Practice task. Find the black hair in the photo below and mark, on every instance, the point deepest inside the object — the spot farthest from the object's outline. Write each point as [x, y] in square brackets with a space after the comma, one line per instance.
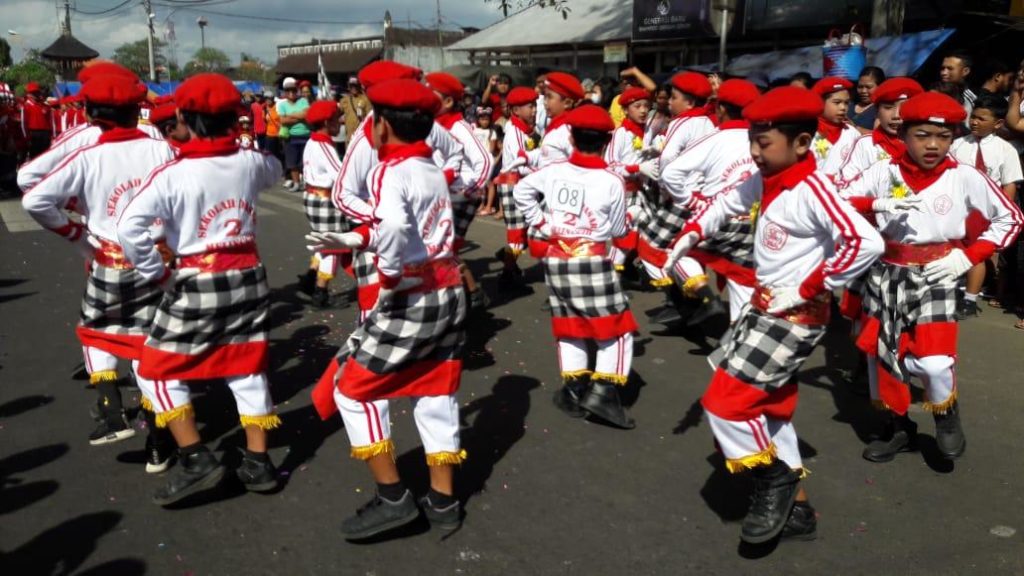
[997, 67]
[408, 125]
[961, 55]
[210, 125]
[876, 73]
[993, 103]
[167, 126]
[590, 141]
[791, 130]
[608, 86]
[951, 89]
[735, 112]
[804, 78]
[694, 101]
[120, 116]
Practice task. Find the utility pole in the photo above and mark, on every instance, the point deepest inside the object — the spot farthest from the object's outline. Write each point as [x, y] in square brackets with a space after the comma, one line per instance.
[148, 5]
[887, 17]
[440, 41]
[65, 28]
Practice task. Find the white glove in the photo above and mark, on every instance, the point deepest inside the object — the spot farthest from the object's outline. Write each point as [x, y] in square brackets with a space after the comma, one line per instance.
[320, 241]
[633, 212]
[517, 163]
[785, 299]
[87, 245]
[386, 295]
[897, 205]
[948, 268]
[650, 169]
[544, 229]
[681, 248]
[176, 276]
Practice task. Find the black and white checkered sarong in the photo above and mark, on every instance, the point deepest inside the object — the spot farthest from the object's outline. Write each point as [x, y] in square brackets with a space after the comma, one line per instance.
[661, 223]
[119, 302]
[364, 268]
[583, 287]
[211, 309]
[463, 211]
[514, 219]
[900, 298]
[323, 216]
[734, 242]
[414, 327]
[765, 351]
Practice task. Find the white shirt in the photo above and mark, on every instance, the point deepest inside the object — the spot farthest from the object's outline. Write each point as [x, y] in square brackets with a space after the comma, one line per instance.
[320, 164]
[412, 214]
[865, 154]
[555, 147]
[946, 203]
[206, 204]
[583, 202]
[476, 160]
[102, 177]
[622, 150]
[804, 231]
[513, 147]
[681, 133]
[1002, 164]
[830, 157]
[710, 166]
[485, 136]
[541, 120]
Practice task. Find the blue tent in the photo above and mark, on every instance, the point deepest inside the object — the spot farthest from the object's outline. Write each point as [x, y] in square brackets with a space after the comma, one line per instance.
[159, 88]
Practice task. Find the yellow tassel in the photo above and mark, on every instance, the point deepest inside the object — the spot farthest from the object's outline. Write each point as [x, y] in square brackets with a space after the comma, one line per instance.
[941, 407]
[266, 422]
[576, 374]
[620, 267]
[617, 379]
[879, 404]
[804, 472]
[324, 276]
[662, 282]
[314, 261]
[753, 461]
[515, 252]
[102, 376]
[693, 283]
[446, 458]
[375, 449]
[146, 405]
[179, 413]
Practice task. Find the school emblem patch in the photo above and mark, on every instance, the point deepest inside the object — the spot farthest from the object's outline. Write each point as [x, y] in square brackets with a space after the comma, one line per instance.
[774, 237]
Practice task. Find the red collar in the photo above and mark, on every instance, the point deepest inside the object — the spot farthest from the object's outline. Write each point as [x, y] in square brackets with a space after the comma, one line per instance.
[207, 147]
[633, 127]
[691, 113]
[918, 178]
[448, 119]
[518, 123]
[734, 125]
[399, 152]
[368, 128]
[121, 135]
[584, 161]
[321, 137]
[830, 130]
[892, 145]
[557, 122]
[786, 180]
[710, 112]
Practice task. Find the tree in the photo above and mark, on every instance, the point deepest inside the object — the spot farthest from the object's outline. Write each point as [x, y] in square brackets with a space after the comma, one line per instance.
[5, 53]
[253, 69]
[207, 60]
[135, 56]
[560, 6]
[28, 71]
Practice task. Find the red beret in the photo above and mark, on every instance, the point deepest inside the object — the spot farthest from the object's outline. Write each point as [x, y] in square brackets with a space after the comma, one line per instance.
[785, 104]
[163, 99]
[738, 92]
[521, 95]
[305, 83]
[567, 85]
[104, 69]
[208, 93]
[692, 83]
[162, 113]
[382, 70]
[932, 107]
[831, 84]
[114, 91]
[445, 84]
[404, 94]
[633, 94]
[321, 111]
[32, 87]
[590, 117]
[895, 89]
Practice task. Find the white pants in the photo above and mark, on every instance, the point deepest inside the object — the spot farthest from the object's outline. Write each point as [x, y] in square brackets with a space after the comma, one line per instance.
[368, 424]
[326, 266]
[937, 373]
[614, 357]
[97, 360]
[653, 272]
[251, 392]
[742, 440]
[739, 296]
[618, 257]
[686, 268]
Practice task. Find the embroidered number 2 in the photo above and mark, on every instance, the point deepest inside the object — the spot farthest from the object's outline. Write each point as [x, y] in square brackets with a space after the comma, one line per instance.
[568, 197]
[234, 227]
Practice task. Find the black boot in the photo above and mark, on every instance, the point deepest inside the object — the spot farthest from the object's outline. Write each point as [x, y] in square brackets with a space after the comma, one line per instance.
[710, 307]
[900, 435]
[511, 280]
[568, 397]
[321, 297]
[674, 310]
[949, 434]
[199, 470]
[307, 282]
[257, 472]
[112, 424]
[802, 523]
[775, 488]
[603, 402]
[380, 515]
[967, 309]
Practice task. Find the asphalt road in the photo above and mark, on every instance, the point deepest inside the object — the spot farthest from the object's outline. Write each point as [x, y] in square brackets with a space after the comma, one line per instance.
[544, 494]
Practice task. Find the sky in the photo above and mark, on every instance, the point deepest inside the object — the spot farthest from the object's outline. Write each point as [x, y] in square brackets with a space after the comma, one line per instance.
[36, 23]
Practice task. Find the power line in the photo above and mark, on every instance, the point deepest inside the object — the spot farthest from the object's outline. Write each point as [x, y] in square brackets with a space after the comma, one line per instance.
[264, 18]
[102, 12]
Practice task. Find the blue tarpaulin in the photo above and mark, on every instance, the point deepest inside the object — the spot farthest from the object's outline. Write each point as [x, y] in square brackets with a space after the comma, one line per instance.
[158, 88]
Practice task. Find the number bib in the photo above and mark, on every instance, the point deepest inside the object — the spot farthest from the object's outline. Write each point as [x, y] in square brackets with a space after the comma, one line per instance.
[567, 197]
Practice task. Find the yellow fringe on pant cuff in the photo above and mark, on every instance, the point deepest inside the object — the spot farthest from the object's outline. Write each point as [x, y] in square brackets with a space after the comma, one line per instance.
[375, 449]
[146, 405]
[573, 374]
[619, 267]
[693, 283]
[662, 282]
[763, 458]
[617, 379]
[804, 472]
[941, 407]
[324, 276]
[314, 261]
[880, 405]
[446, 458]
[102, 376]
[265, 422]
[179, 413]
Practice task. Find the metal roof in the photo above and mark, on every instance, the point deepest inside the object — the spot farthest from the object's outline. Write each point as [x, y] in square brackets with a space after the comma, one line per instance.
[346, 62]
[589, 21]
[67, 47]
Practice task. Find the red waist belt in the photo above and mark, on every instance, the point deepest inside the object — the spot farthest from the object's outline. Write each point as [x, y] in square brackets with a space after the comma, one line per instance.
[507, 178]
[319, 192]
[111, 255]
[814, 313]
[237, 257]
[914, 254]
[566, 249]
[632, 186]
[435, 275]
